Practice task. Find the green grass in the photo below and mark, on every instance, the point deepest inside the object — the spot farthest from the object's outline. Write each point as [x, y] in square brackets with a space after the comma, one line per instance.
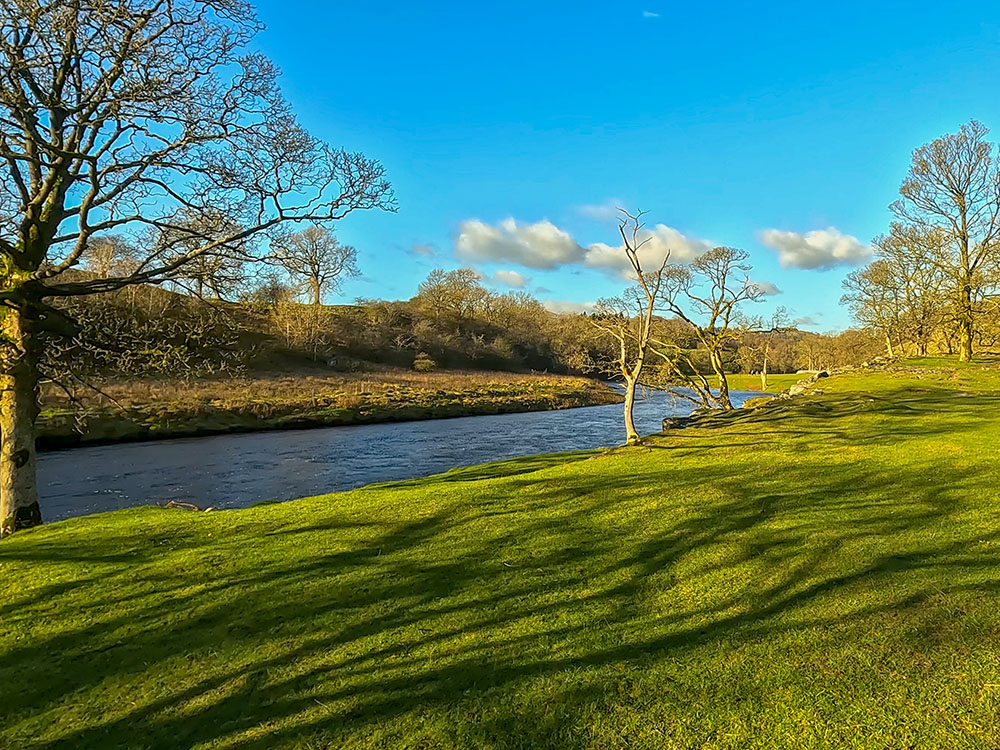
[821, 573]
[775, 383]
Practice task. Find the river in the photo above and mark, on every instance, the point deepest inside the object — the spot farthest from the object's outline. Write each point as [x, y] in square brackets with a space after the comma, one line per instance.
[239, 470]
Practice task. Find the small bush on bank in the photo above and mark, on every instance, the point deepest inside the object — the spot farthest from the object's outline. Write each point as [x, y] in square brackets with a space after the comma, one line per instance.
[423, 362]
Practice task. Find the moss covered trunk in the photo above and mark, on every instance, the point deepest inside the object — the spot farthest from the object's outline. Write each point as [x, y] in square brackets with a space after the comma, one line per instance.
[720, 372]
[18, 409]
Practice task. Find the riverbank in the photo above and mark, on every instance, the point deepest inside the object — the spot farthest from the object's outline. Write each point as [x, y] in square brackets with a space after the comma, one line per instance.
[146, 410]
[822, 572]
[240, 470]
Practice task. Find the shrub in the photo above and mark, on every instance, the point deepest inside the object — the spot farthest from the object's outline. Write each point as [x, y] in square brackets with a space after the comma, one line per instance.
[423, 362]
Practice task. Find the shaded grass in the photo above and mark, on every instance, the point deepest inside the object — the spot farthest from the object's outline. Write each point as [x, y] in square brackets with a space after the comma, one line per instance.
[825, 574]
[145, 409]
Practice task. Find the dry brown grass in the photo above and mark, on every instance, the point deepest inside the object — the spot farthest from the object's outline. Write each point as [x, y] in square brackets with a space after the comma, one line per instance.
[283, 386]
[128, 410]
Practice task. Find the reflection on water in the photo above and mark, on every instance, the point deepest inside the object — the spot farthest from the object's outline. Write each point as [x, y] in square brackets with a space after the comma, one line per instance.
[234, 471]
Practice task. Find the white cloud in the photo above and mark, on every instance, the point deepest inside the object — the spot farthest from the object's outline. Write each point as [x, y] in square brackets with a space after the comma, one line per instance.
[423, 248]
[819, 249]
[807, 321]
[543, 245]
[512, 279]
[567, 306]
[658, 241]
[606, 212]
[539, 245]
[768, 288]
[650, 14]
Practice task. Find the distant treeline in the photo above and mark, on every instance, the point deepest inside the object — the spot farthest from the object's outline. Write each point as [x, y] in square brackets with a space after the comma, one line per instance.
[453, 322]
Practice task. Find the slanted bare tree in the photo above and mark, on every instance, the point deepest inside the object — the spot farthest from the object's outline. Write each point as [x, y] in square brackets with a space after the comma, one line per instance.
[707, 295]
[316, 259]
[129, 117]
[953, 188]
[629, 319]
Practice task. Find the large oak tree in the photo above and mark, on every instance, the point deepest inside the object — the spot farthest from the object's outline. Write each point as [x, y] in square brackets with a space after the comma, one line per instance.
[136, 117]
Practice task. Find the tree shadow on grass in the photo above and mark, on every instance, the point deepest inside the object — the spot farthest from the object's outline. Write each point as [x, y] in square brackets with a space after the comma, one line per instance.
[851, 418]
[436, 621]
[497, 469]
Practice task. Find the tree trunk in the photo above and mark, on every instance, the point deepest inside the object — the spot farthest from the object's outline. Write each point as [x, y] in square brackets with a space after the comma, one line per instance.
[888, 344]
[720, 373]
[631, 436]
[18, 409]
[315, 291]
[965, 321]
[763, 375]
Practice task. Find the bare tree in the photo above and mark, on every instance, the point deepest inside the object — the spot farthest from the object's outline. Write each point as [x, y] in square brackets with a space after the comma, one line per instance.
[875, 300]
[902, 294]
[629, 319]
[268, 290]
[953, 187]
[923, 292]
[316, 259]
[707, 295]
[219, 272]
[755, 343]
[111, 255]
[125, 116]
[449, 295]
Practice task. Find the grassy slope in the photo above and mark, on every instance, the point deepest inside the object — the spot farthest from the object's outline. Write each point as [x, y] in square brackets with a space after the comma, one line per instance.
[155, 409]
[823, 576]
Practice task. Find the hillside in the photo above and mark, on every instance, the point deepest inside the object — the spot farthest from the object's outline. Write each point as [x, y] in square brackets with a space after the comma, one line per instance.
[152, 363]
[814, 574]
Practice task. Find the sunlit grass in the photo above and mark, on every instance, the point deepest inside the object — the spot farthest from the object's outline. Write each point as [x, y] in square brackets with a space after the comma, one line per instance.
[821, 573]
[775, 383]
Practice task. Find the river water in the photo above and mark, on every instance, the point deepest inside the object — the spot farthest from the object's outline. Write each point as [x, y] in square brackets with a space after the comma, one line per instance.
[239, 470]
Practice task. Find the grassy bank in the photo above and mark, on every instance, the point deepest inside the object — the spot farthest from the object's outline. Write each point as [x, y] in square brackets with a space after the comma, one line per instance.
[820, 573]
[142, 410]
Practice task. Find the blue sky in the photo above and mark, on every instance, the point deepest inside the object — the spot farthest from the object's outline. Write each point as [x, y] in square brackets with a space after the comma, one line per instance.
[731, 123]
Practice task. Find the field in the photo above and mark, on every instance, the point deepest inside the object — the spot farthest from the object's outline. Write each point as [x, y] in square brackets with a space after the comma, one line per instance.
[138, 410]
[822, 572]
[775, 383]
